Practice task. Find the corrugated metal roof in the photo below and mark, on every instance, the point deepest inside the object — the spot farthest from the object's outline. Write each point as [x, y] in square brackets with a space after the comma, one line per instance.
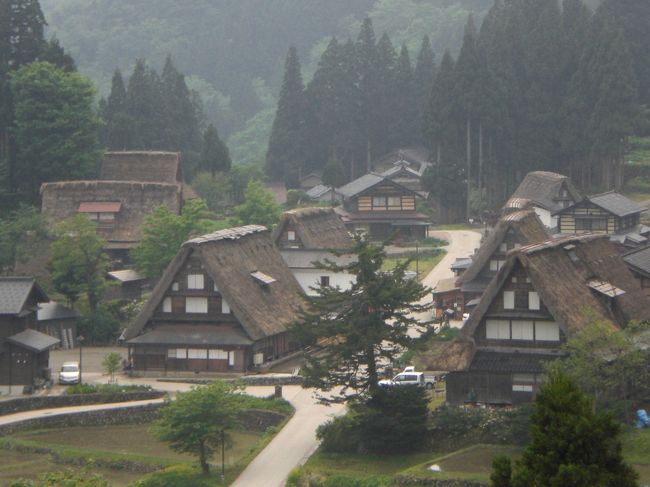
[14, 291]
[55, 311]
[616, 203]
[360, 184]
[227, 234]
[126, 275]
[99, 207]
[33, 340]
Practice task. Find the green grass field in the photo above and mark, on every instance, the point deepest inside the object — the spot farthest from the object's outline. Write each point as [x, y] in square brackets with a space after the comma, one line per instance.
[424, 264]
[118, 444]
[472, 463]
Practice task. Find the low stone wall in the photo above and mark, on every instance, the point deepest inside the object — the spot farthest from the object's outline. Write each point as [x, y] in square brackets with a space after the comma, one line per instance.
[22, 404]
[260, 419]
[408, 480]
[249, 380]
[121, 415]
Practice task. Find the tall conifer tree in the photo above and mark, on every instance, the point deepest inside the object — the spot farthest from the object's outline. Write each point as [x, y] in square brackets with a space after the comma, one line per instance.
[285, 155]
[404, 127]
[423, 77]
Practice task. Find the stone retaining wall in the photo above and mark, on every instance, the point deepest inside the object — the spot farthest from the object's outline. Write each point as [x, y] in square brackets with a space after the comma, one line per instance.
[22, 404]
[408, 480]
[249, 380]
[121, 415]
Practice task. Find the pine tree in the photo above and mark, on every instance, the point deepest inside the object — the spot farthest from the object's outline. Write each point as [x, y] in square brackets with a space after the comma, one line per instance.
[571, 444]
[468, 95]
[424, 75]
[373, 317]
[285, 155]
[118, 124]
[215, 156]
[404, 121]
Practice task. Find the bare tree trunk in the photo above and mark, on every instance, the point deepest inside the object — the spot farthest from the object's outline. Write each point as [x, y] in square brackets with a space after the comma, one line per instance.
[368, 159]
[468, 136]
[480, 156]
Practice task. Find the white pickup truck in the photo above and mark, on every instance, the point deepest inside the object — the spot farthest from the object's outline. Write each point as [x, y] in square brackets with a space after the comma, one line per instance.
[410, 378]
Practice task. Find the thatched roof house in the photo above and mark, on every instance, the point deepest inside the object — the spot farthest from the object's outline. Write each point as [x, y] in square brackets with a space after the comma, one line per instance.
[546, 192]
[224, 303]
[306, 236]
[312, 228]
[544, 294]
[118, 207]
[512, 231]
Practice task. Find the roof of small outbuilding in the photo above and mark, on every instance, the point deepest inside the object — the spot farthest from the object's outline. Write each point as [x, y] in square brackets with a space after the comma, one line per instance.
[14, 292]
[55, 311]
[230, 257]
[317, 229]
[33, 340]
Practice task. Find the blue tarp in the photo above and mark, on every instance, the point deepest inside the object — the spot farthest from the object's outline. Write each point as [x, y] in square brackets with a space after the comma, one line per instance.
[642, 419]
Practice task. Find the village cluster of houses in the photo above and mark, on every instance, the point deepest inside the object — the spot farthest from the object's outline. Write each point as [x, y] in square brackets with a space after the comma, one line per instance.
[556, 262]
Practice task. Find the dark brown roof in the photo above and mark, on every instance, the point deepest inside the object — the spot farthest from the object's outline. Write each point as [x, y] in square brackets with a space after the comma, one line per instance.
[317, 229]
[451, 356]
[516, 362]
[230, 257]
[14, 292]
[528, 228]
[560, 271]
[149, 166]
[543, 188]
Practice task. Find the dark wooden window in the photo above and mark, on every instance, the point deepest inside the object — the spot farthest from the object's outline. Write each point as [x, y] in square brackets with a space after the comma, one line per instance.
[324, 280]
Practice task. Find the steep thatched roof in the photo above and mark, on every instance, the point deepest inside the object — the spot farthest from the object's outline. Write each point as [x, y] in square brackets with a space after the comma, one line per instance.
[316, 228]
[451, 356]
[562, 271]
[525, 224]
[231, 257]
[542, 188]
[150, 166]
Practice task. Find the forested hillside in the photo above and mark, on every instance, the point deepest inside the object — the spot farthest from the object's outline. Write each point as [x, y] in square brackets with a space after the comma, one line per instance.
[232, 51]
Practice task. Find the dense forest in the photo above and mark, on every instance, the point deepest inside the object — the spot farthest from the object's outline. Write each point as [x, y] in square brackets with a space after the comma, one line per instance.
[232, 51]
[537, 86]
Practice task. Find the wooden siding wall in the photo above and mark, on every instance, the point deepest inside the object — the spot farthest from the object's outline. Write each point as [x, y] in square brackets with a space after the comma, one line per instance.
[496, 310]
[19, 366]
[156, 358]
[487, 388]
[567, 219]
[364, 202]
[178, 314]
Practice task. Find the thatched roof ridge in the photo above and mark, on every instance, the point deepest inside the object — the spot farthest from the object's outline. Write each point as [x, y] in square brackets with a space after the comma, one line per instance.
[560, 271]
[230, 257]
[151, 166]
[93, 183]
[525, 223]
[542, 188]
[317, 228]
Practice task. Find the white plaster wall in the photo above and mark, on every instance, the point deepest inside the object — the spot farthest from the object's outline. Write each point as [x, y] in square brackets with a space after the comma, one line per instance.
[311, 277]
[546, 218]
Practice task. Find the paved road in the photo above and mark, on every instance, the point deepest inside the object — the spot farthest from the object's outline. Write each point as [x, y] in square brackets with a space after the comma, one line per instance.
[293, 445]
[462, 243]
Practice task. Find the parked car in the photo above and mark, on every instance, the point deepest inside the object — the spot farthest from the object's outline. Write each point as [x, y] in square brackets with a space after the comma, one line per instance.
[410, 379]
[70, 373]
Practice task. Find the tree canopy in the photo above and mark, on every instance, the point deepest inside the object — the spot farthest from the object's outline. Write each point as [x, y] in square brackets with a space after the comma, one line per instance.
[363, 326]
[198, 422]
[571, 445]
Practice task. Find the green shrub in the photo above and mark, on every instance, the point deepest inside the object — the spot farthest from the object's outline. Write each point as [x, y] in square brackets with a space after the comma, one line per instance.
[453, 427]
[394, 420]
[339, 435]
[176, 476]
[638, 184]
